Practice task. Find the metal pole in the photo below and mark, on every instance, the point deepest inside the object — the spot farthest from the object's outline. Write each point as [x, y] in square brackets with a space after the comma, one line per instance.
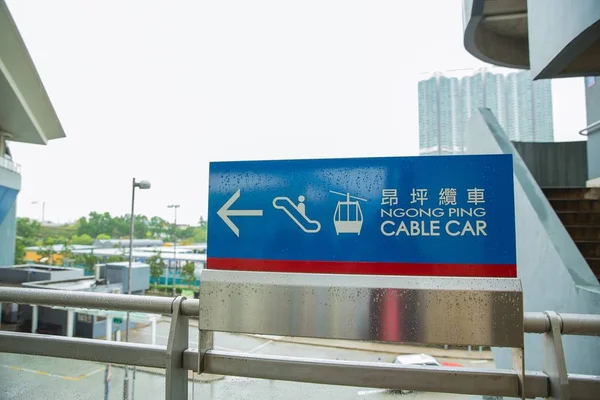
[175, 252]
[131, 220]
[175, 206]
[34, 318]
[70, 323]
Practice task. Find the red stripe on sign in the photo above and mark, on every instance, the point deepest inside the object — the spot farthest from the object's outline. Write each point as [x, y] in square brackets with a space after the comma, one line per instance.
[365, 268]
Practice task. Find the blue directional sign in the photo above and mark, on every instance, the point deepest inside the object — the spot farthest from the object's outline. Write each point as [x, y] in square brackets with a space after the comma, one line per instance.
[442, 216]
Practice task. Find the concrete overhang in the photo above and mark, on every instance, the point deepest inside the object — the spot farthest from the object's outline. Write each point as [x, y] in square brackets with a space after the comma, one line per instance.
[26, 112]
[496, 31]
[552, 38]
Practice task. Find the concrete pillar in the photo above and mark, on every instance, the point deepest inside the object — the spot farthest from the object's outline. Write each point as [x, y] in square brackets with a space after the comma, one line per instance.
[109, 328]
[34, 318]
[118, 335]
[14, 313]
[153, 330]
[70, 323]
[3, 136]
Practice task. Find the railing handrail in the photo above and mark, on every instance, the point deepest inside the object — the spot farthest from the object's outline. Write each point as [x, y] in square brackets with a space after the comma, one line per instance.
[333, 372]
[590, 128]
[95, 300]
[534, 322]
[177, 358]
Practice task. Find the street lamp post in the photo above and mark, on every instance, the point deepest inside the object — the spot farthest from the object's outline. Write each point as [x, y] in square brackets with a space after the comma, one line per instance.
[141, 185]
[174, 206]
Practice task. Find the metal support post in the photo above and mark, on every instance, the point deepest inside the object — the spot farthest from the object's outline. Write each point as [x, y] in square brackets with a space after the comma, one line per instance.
[70, 323]
[153, 331]
[554, 359]
[518, 364]
[205, 344]
[177, 375]
[133, 384]
[34, 318]
[109, 328]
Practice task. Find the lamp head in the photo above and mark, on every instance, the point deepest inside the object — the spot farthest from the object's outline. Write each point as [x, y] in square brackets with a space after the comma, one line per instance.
[143, 184]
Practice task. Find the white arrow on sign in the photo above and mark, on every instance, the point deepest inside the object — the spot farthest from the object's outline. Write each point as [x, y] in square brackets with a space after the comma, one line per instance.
[225, 213]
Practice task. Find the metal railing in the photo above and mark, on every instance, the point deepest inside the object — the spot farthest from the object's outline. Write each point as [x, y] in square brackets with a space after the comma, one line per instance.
[590, 128]
[177, 358]
[9, 165]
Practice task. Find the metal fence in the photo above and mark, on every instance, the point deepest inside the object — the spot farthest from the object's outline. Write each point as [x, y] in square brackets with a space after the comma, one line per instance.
[178, 358]
[9, 165]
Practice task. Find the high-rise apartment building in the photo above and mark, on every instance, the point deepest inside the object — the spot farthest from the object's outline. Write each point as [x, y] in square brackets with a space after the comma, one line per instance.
[523, 108]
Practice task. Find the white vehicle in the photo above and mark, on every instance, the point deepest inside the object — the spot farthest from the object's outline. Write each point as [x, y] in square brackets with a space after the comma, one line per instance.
[417, 359]
[414, 359]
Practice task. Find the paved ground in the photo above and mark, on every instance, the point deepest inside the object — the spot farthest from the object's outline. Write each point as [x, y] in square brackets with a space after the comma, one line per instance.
[31, 377]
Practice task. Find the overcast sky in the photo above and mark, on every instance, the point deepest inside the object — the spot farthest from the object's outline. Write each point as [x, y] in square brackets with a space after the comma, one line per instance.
[157, 89]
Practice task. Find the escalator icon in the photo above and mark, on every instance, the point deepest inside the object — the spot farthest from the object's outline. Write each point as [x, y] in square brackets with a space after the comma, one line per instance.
[297, 213]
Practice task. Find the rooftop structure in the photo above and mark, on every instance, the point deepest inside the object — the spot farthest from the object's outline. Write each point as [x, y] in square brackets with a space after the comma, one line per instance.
[111, 243]
[18, 274]
[80, 284]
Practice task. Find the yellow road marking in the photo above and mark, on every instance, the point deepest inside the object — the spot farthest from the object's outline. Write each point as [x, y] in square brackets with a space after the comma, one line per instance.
[44, 373]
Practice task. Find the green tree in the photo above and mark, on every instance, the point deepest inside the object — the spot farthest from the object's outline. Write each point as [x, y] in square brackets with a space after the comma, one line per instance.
[200, 234]
[157, 227]
[84, 239]
[66, 251]
[103, 236]
[188, 273]
[87, 260]
[28, 230]
[186, 233]
[140, 224]
[157, 267]
[19, 251]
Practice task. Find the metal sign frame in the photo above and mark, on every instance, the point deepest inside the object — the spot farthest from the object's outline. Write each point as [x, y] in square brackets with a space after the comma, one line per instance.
[398, 309]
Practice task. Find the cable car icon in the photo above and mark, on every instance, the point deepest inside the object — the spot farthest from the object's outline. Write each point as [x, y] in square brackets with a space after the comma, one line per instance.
[348, 217]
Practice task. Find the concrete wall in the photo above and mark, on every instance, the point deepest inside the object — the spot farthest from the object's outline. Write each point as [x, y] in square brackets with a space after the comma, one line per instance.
[592, 107]
[557, 164]
[554, 275]
[9, 180]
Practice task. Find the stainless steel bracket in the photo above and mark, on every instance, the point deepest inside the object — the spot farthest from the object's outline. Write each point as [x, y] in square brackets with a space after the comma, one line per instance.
[554, 359]
[205, 343]
[518, 364]
[177, 376]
